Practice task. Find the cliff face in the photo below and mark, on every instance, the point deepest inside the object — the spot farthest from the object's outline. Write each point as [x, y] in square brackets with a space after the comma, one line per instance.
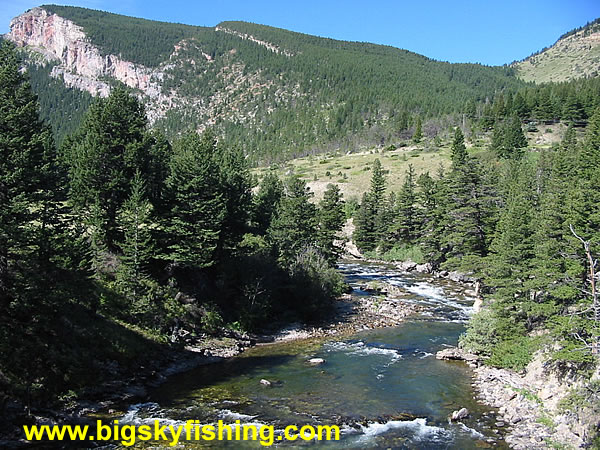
[80, 64]
[175, 87]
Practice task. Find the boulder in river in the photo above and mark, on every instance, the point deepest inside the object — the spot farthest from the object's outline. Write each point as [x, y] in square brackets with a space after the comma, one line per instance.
[460, 414]
[265, 382]
[454, 353]
[316, 361]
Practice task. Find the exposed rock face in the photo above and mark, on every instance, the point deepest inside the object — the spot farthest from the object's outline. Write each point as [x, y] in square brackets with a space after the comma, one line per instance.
[81, 64]
[269, 46]
[529, 405]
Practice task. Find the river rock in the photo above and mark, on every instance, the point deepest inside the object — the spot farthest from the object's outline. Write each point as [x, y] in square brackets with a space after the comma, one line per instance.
[454, 353]
[265, 382]
[407, 266]
[424, 268]
[460, 277]
[460, 414]
[316, 361]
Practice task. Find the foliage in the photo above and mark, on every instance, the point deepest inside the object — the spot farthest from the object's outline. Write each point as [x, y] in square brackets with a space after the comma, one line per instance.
[513, 354]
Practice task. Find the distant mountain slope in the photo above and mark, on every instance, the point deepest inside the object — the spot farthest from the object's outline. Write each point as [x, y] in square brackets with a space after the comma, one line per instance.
[576, 54]
[273, 91]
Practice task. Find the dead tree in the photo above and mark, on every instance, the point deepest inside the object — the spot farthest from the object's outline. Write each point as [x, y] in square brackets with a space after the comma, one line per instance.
[593, 279]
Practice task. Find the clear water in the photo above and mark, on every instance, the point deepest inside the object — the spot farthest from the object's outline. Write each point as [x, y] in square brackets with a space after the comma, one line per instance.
[367, 383]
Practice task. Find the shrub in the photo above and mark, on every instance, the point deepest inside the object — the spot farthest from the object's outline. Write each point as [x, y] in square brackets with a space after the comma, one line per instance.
[404, 253]
[515, 353]
[480, 337]
[314, 283]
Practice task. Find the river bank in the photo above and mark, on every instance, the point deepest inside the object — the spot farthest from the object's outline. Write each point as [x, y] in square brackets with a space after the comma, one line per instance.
[531, 404]
[350, 314]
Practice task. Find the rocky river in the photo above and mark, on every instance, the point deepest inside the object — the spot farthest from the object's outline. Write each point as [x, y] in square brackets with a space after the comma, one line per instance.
[382, 386]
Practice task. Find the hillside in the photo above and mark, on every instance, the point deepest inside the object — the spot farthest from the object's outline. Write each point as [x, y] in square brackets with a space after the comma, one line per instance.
[575, 54]
[278, 92]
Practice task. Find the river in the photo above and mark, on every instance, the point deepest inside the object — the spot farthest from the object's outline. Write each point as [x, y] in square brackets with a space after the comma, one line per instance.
[383, 386]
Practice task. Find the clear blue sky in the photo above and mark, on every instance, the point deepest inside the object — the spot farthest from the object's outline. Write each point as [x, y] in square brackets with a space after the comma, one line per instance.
[489, 32]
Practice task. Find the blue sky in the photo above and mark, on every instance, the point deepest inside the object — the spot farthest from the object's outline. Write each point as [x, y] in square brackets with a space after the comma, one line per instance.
[489, 32]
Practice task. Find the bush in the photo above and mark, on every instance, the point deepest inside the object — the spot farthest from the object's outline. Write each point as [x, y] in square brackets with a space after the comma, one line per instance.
[211, 321]
[515, 353]
[315, 284]
[480, 337]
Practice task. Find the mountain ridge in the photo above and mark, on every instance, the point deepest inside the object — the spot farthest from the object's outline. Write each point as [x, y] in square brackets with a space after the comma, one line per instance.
[575, 54]
[272, 91]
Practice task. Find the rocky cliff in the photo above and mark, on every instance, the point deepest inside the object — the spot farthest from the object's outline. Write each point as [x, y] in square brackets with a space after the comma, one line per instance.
[80, 64]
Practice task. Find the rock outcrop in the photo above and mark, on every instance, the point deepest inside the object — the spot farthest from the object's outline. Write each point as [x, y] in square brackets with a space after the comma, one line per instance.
[80, 64]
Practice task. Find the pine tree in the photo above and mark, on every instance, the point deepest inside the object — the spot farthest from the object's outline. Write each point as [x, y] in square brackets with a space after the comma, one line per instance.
[135, 221]
[364, 235]
[195, 221]
[520, 106]
[331, 221]
[294, 226]
[42, 265]
[370, 220]
[266, 200]
[511, 251]
[463, 223]
[236, 182]
[418, 134]
[514, 139]
[458, 152]
[405, 224]
[104, 154]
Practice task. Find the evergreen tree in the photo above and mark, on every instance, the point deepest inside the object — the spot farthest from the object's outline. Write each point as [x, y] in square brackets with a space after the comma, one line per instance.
[511, 251]
[331, 222]
[195, 221]
[458, 152]
[405, 225]
[418, 134]
[514, 139]
[42, 269]
[104, 154]
[236, 182]
[497, 141]
[265, 202]
[364, 235]
[464, 214]
[370, 220]
[135, 220]
[520, 106]
[294, 226]
[430, 199]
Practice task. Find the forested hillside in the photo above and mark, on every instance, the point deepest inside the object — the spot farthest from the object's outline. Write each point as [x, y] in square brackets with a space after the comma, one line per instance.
[277, 92]
[120, 242]
[131, 222]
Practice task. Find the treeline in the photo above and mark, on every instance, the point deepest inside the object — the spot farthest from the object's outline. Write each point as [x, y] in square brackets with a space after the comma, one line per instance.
[505, 216]
[573, 101]
[121, 230]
